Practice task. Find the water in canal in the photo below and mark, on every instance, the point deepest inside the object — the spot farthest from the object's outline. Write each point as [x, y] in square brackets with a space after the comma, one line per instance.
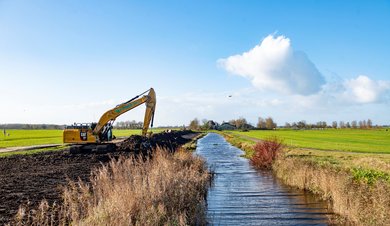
[240, 195]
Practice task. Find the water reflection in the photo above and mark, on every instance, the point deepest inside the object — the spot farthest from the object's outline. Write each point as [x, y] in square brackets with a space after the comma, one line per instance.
[241, 195]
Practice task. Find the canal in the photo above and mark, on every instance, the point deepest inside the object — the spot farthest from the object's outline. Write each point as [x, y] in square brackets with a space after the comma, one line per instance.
[241, 195]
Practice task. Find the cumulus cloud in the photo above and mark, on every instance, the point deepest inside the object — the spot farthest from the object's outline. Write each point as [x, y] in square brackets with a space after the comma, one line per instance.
[365, 90]
[274, 65]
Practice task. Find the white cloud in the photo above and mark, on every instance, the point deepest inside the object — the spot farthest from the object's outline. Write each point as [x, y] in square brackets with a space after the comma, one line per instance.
[364, 90]
[274, 65]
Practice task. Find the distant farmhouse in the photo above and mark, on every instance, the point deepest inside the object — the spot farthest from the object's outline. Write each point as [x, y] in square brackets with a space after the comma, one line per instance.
[226, 126]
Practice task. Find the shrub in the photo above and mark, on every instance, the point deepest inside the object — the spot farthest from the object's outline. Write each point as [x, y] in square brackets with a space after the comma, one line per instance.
[265, 152]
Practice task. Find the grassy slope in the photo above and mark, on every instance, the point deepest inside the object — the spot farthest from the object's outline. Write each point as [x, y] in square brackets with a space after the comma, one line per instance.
[320, 145]
[358, 182]
[365, 141]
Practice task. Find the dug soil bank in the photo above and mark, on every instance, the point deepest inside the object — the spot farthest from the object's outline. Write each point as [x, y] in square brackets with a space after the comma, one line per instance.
[31, 178]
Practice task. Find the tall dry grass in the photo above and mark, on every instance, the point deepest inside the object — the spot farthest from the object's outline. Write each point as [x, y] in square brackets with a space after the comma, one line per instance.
[167, 189]
[361, 203]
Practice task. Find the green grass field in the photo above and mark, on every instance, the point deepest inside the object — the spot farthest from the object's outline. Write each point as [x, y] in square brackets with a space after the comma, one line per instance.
[30, 137]
[129, 132]
[364, 151]
[19, 138]
[353, 140]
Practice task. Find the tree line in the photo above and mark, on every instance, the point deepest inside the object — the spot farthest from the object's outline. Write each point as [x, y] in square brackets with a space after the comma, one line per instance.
[31, 126]
[240, 124]
[269, 124]
[129, 125]
[363, 124]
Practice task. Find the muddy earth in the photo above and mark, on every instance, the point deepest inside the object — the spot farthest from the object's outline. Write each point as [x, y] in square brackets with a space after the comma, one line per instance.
[32, 178]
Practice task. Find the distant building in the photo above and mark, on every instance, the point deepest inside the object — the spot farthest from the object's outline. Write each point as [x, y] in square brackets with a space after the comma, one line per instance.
[248, 127]
[212, 125]
[226, 126]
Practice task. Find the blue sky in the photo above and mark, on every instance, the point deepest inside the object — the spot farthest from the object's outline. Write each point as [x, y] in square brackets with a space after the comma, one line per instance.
[70, 61]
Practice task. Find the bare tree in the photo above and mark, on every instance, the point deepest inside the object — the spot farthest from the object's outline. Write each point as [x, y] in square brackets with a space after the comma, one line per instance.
[269, 123]
[301, 124]
[369, 123]
[233, 122]
[342, 124]
[334, 124]
[241, 123]
[194, 124]
[354, 124]
[205, 124]
[294, 125]
[321, 124]
[361, 125]
[261, 123]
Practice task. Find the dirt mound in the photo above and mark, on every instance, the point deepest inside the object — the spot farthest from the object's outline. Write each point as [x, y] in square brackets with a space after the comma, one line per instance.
[40, 176]
[169, 140]
[35, 177]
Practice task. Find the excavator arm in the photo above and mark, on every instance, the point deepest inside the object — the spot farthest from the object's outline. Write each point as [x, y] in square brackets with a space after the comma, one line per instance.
[96, 133]
[107, 119]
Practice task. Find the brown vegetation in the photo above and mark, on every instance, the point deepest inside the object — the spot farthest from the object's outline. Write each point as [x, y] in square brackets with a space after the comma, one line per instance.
[265, 152]
[267, 123]
[28, 179]
[357, 186]
[361, 202]
[167, 189]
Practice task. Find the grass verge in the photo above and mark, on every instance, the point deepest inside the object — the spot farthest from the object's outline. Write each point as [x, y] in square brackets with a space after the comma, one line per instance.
[167, 189]
[244, 144]
[356, 184]
[191, 146]
[360, 197]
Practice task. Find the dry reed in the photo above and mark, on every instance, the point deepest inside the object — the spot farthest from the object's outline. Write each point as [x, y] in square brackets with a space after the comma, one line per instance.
[358, 202]
[167, 189]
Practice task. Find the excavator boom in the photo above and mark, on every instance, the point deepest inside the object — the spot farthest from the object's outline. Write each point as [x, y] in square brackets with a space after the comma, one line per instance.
[102, 131]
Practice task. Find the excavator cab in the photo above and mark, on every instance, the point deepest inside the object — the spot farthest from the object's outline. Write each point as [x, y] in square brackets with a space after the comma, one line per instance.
[79, 133]
[106, 134]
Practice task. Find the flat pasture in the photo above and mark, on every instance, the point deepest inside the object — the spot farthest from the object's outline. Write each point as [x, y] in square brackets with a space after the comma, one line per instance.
[129, 132]
[19, 138]
[349, 140]
[22, 138]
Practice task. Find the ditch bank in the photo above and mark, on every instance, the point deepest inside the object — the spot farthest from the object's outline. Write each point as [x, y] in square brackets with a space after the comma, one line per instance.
[356, 201]
[358, 195]
[28, 179]
[242, 195]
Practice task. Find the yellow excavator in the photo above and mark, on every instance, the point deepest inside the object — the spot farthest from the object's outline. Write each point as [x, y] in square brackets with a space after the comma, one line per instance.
[98, 136]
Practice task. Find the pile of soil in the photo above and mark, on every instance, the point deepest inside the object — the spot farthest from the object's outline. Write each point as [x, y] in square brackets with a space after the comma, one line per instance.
[40, 176]
[144, 145]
